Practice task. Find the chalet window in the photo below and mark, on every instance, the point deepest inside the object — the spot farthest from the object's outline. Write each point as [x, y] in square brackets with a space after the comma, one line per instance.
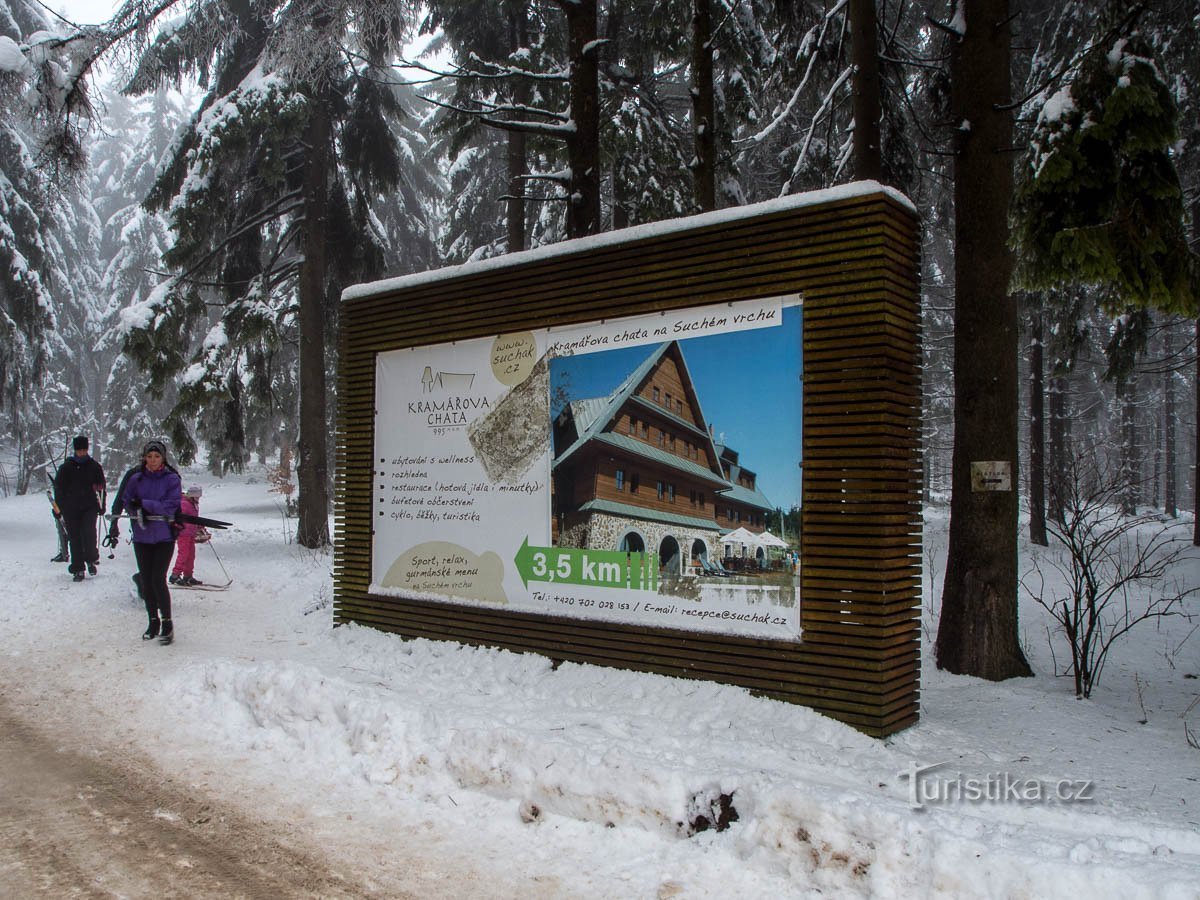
[692, 497]
[660, 490]
[671, 492]
[679, 407]
[702, 500]
[620, 479]
[671, 442]
[669, 404]
[662, 437]
[645, 429]
[656, 395]
[633, 483]
[632, 425]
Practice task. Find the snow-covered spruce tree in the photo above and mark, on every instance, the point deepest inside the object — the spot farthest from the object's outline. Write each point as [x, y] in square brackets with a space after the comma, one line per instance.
[647, 106]
[47, 252]
[1173, 30]
[786, 92]
[405, 215]
[502, 59]
[132, 142]
[269, 195]
[1100, 202]
[545, 95]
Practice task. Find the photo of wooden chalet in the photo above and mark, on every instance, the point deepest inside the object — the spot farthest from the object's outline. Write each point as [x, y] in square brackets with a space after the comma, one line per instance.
[638, 470]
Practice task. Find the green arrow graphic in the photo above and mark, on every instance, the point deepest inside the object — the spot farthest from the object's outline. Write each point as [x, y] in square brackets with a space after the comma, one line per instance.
[601, 568]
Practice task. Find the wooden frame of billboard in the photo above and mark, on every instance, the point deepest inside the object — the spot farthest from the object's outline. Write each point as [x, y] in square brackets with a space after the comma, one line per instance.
[852, 253]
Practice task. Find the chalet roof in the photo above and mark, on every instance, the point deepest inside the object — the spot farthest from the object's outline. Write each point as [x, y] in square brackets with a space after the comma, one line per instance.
[651, 407]
[662, 457]
[749, 496]
[586, 412]
[628, 510]
[599, 411]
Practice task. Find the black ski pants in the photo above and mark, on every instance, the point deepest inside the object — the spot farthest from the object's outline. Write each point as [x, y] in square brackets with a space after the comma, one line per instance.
[153, 562]
[81, 536]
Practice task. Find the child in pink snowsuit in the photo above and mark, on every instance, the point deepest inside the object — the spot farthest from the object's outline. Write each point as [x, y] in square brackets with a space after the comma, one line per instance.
[185, 553]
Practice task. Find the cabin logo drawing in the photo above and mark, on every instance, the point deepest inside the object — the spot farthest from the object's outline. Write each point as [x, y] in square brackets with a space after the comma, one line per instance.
[449, 381]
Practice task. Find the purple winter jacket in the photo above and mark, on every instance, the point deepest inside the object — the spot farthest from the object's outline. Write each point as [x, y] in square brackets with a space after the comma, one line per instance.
[159, 494]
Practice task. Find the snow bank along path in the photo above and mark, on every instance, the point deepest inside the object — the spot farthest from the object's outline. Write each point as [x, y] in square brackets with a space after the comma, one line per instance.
[581, 780]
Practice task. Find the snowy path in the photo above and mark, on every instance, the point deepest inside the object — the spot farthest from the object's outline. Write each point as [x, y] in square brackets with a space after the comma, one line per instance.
[97, 824]
[387, 767]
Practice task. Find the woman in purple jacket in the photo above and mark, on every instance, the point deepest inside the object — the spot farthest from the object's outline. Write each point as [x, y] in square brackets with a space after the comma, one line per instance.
[154, 490]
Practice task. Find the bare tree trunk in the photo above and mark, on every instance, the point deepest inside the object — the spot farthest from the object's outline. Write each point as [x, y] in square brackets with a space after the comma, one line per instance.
[1196, 479]
[613, 53]
[868, 160]
[514, 207]
[1060, 429]
[1156, 487]
[1170, 455]
[704, 167]
[518, 165]
[583, 147]
[620, 207]
[312, 469]
[977, 634]
[1037, 432]
[1130, 471]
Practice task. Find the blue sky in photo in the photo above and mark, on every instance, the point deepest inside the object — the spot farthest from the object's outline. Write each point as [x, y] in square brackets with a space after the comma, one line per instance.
[748, 383]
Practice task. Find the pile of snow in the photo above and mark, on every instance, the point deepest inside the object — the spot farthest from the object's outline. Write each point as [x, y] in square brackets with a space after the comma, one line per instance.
[592, 781]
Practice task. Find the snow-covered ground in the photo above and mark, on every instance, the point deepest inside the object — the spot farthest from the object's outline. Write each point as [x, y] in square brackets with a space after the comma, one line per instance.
[581, 781]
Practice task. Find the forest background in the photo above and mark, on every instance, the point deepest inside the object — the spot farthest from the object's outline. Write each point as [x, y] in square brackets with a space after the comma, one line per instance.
[186, 188]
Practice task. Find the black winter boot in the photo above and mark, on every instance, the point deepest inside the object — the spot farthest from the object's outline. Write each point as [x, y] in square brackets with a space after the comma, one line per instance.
[168, 632]
[151, 631]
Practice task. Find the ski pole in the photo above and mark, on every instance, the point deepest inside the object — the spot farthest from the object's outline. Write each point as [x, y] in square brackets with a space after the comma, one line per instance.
[219, 563]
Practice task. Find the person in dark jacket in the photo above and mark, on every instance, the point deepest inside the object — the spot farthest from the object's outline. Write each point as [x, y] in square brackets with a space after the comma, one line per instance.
[152, 497]
[77, 490]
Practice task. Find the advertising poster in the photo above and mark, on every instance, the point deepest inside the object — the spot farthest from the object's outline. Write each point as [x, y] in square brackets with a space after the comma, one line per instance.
[628, 470]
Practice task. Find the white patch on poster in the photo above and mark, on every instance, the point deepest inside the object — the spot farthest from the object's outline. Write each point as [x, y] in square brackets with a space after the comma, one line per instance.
[462, 490]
